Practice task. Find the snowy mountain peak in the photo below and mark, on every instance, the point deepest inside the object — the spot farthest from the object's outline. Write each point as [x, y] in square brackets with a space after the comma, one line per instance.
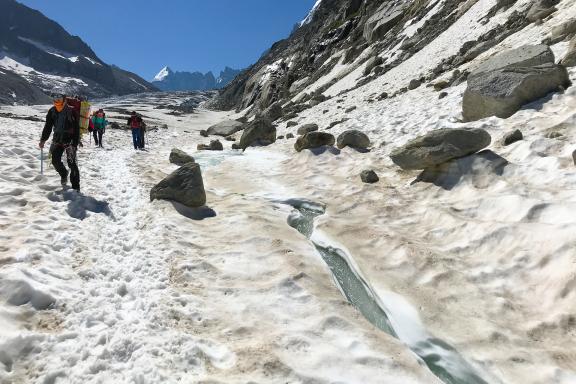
[165, 72]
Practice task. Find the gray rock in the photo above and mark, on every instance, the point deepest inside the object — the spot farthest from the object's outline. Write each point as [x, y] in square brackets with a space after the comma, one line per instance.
[225, 128]
[273, 112]
[185, 185]
[180, 157]
[440, 85]
[290, 136]
[563, 30]
[503, 84]
[442, 95]
[353, 138]
[352, 108]
[369, 176]
[383, 95]
[371, 64]
[306, 128]
[236, 146]
[114, 125]
[553, 135]
[291, 124]
[385, 17]
[512, 137]
[570, 59]
[203, 133]
[439, 146]
[260, 131]
[414, 84]
[314, 140]
[541, 9]
[574, 156]
[215, 145]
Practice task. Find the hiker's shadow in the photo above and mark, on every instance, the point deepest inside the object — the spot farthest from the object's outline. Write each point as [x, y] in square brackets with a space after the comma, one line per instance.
[79, 205]
[197, 214]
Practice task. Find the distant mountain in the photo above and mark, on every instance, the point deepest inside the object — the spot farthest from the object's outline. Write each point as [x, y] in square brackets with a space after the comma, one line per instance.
[38, 57]
[168, 80]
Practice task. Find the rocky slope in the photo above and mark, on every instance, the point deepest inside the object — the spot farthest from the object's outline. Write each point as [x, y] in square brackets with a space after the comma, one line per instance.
[38, 56]
[346, 44]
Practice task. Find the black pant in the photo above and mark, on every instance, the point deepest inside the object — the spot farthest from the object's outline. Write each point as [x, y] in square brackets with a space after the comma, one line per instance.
[98, 136]
[57, 151]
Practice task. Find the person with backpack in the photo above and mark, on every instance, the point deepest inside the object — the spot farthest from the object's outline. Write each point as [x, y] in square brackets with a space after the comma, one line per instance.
[65, 123]
[136, 124]
[99, 122]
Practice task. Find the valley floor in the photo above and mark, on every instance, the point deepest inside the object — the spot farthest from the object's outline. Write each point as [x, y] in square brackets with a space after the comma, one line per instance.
[107, 286]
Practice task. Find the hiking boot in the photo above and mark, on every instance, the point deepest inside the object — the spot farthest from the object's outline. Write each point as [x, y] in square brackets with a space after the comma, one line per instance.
[64, 179]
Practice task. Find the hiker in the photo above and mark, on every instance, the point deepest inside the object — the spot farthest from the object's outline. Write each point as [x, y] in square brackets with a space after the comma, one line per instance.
[99, 122]
[65, 122]
[136, 124]
[142, 135]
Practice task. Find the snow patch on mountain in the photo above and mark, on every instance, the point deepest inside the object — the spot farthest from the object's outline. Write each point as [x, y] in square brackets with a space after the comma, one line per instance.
[164, 73]
[308, 18]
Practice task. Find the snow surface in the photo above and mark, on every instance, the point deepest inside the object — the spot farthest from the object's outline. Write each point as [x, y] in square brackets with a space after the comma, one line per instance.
[109, 287]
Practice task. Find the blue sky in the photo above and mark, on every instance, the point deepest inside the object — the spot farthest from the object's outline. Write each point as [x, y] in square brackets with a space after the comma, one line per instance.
[143, 36]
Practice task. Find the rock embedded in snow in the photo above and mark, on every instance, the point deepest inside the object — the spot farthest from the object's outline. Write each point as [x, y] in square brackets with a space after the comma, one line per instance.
[562, 31]
[273, 112]
[291, 124]
[569, 59]
[260, 131]
[440, 85]
[290, 136]
[574, 156]
[512, 137]
[185, 185]
[368, 176]
[440, 146]
[179, 157]
[353, 138]
[503, 84]
[442, 95]
[541, 9]
[225, 128]
[350, 109]
[314, 140]
[215, 145]
[414, 84]
[203, 133]
[306, 128]
[371, 64]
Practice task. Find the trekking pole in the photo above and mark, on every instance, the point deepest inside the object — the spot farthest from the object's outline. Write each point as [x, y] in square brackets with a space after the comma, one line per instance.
[42, 161]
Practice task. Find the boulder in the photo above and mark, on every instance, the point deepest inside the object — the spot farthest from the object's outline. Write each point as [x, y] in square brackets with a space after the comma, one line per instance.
[291, 124]
[512, 137]
[440, 146]
[260, 131]
[273, 112]
[314, 140]
[442, 95]
[414, 84]
[180, 157]
[215, 145]
[353, 138]
[368, 176]
[225, 128]
[203, 133]
[306, 128]
[350, 109]
[371, 64]
[184, 185]
[290, 136]
[236, 146]
[541, 9]
[563, 30]
[574, 156]
[440, 85]
[503, 84]
[570, 59]
[384, 19]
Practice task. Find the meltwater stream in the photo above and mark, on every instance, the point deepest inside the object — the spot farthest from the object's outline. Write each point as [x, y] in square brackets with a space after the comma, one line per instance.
[391, 314]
